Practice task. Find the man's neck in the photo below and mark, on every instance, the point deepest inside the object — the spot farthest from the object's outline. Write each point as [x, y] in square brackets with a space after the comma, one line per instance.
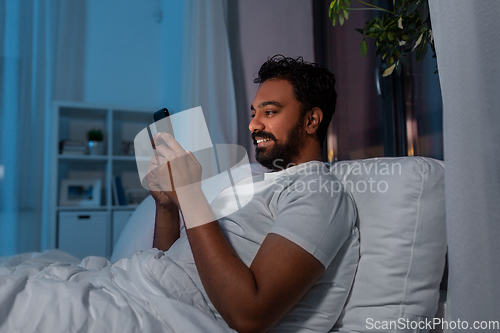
[310, 152]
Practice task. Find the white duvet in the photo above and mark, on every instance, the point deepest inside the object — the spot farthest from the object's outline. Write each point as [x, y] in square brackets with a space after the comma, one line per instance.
[55, 292]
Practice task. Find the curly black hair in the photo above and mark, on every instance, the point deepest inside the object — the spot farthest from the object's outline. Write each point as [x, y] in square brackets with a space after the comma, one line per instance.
[313, 85]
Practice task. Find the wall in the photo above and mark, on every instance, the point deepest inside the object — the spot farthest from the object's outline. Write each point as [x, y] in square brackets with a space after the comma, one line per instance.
[123, 53]
[133, 51]
[259, 29]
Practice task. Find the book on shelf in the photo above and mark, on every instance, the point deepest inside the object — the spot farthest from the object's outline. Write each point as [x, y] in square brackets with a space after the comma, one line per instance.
[115, 199]
[118, 192]
[72, 147]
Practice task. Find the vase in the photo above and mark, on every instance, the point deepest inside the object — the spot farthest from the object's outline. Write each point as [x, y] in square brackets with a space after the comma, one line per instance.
[96, 147]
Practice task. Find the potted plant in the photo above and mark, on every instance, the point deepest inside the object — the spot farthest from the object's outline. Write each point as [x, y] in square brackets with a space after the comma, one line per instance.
[405, 27]
[96, 145]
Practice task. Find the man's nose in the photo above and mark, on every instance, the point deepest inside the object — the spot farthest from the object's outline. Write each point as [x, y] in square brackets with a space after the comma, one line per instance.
[255, 125]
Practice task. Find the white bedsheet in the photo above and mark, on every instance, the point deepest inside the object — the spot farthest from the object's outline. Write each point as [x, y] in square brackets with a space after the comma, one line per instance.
[54, 292]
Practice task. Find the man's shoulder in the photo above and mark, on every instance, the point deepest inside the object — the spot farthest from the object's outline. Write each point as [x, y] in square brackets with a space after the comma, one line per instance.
[317, 188]
[311, 175]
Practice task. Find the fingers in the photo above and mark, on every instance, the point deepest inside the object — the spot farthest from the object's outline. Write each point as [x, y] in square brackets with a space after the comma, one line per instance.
[164, 154]
[172, 166]
[153, 174]
[159, 178]
[170, 142]
[167, 148]
[152, 182]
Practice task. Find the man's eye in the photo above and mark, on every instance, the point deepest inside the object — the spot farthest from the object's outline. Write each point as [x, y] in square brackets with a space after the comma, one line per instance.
[268, 113]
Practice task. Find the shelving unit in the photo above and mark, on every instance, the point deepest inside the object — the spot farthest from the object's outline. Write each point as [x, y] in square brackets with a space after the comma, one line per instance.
[92, 230]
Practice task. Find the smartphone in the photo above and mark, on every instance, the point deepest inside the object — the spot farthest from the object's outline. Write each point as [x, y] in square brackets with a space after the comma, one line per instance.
[160, 114]
[162, 124]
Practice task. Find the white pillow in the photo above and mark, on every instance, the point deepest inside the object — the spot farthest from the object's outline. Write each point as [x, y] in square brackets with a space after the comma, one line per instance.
[401, 210]
[138, 232]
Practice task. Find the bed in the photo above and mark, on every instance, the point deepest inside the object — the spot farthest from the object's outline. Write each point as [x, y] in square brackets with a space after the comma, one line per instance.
[400, 204]
[132, 295]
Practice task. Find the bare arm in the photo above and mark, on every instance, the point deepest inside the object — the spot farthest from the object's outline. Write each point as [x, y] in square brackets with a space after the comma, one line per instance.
[166, 226]
[167, 229]
[255, 298]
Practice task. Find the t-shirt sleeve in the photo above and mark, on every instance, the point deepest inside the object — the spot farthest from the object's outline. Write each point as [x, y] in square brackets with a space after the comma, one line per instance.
[317, 215]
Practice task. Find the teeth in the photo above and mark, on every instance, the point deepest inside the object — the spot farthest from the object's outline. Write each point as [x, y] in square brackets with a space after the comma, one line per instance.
[262, 140]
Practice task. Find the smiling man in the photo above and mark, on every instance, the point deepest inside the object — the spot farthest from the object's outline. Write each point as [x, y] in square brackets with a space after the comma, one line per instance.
[277, 114]
[291, 90]
[286, 260]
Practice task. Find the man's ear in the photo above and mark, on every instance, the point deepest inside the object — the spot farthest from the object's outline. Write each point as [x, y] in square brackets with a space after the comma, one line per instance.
[313, 119]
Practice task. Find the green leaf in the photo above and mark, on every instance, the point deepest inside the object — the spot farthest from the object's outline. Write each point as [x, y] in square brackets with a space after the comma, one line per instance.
[360, 31]
[417, 43]
[334, 20]
[364, 47]
[370, 24]
[424, 10]
[330, 11]
[413, 7]
[389, 70]
[341, 19]
[390, 60]
[346, 14]
[421, 51]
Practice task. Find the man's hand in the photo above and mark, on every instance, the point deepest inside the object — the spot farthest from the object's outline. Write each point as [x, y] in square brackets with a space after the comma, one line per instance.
[177, 174]
[161, 198]
[167, 229]
[172, 168]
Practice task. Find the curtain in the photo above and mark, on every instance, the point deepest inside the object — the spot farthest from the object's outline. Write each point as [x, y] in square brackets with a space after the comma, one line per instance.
[468, 45]
[27, 39]
[207, 77]
[42, 46]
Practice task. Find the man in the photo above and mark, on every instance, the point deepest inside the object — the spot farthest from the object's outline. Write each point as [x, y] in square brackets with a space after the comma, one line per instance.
[274, 259]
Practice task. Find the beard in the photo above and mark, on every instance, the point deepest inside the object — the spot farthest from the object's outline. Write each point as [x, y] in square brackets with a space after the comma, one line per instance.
[280, 155]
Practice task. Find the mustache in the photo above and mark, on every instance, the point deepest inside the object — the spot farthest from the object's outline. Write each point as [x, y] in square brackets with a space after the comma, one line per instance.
[262, 135]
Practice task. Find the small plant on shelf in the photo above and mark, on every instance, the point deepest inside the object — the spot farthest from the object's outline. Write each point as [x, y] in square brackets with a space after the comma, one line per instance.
[95, 135]
[96, 147]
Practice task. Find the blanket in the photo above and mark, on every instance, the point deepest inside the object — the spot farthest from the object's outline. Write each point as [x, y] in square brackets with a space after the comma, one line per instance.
[55, 292]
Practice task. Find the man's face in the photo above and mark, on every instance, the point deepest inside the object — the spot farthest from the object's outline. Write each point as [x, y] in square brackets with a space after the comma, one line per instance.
[277, 126]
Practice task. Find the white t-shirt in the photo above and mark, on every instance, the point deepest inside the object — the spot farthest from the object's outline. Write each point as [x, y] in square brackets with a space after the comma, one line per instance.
[307, 205]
